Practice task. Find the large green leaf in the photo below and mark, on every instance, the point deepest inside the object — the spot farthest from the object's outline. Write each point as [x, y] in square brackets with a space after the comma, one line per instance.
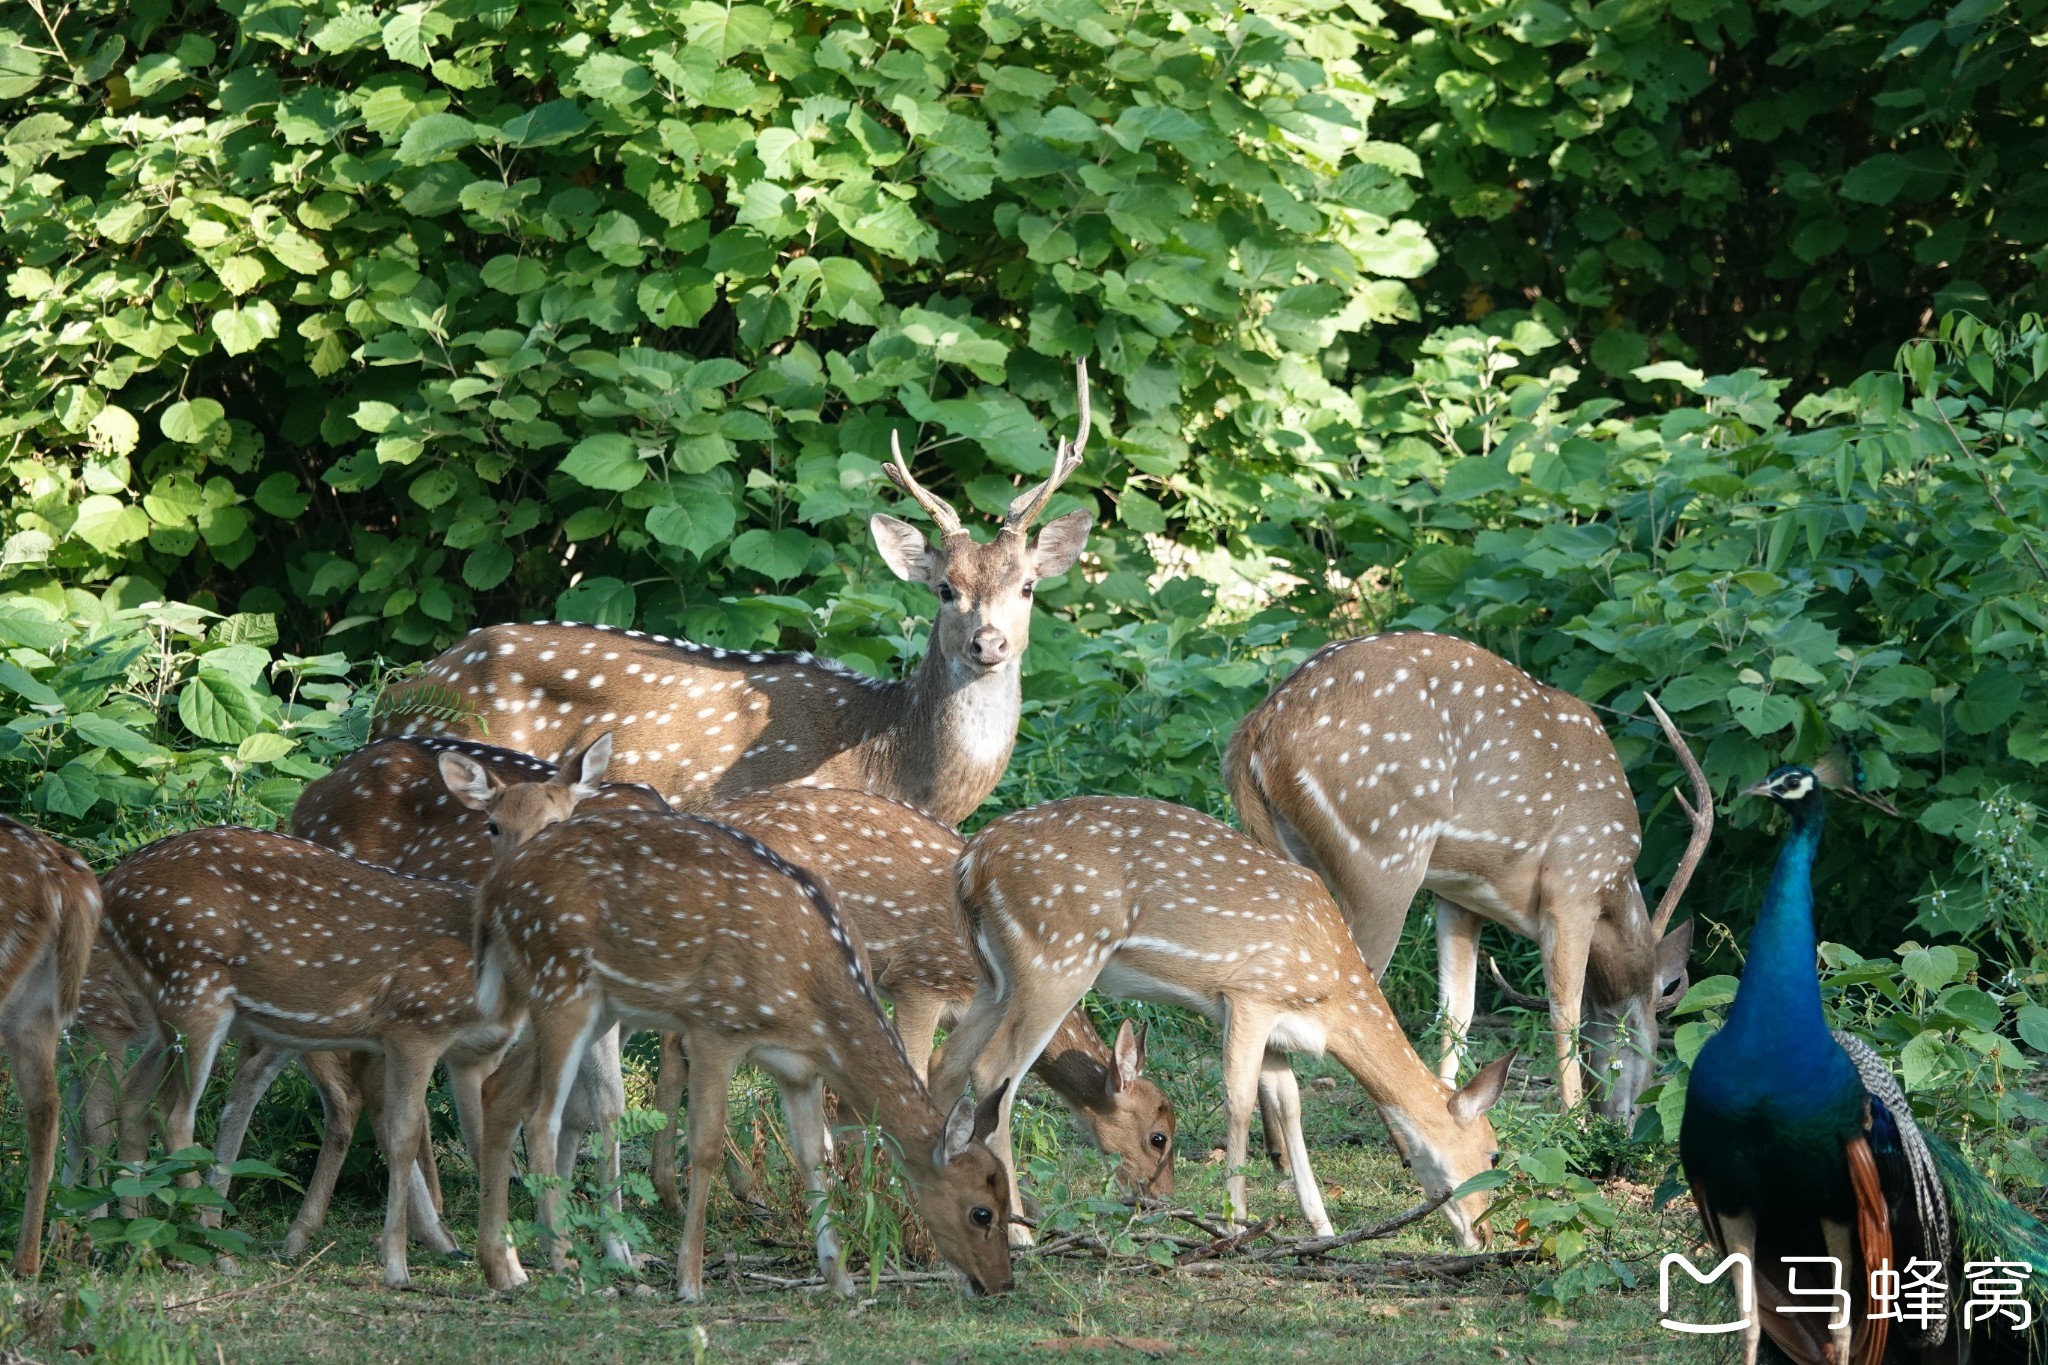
[215, 706]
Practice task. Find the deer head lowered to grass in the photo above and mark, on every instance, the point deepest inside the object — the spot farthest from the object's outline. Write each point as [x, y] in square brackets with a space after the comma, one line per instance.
[890, 868]
[1397, 763]
[660, 920]
[1152, 901]
[703, 725]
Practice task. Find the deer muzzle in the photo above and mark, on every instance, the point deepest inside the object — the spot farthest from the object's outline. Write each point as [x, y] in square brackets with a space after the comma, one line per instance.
[990, 647]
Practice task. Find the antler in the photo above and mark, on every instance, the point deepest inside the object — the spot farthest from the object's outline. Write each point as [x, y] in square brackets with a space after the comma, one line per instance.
[1024, 509]
[937, 508]
[1702, 817]
[1527, 1002]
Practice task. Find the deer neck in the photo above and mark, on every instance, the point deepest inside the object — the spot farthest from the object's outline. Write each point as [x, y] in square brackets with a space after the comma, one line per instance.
[948, 730]
[1076, 1075]
[877, 1085]
[1408, 1094]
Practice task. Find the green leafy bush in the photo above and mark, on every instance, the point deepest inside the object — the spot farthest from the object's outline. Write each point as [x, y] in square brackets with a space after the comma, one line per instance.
[1795, 184]
[132, 721]
[460, 312]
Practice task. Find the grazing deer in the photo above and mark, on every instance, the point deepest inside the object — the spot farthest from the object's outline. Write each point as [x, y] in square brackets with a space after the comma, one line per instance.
[1395, 763]
[703, 725]
[114, 1013]
[668, 921]
[1151, 901]
[240, 932]
[890, 868]
[49, 913]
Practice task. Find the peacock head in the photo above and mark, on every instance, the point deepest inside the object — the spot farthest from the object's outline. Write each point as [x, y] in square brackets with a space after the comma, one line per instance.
[1790, 785]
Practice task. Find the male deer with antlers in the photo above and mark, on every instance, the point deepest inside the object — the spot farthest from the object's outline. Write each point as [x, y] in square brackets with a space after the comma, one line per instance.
[669, 921]
[1152, 901]
[703, 725]
[1396, 763]
[49, 913]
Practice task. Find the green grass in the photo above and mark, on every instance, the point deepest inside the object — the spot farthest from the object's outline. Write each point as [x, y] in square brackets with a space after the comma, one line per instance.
[334, 1308]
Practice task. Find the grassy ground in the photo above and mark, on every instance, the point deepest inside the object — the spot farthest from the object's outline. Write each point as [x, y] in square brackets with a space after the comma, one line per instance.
[1380, 1302]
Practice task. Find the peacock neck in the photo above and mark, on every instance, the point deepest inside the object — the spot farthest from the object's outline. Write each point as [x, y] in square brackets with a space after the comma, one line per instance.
[1780, 991]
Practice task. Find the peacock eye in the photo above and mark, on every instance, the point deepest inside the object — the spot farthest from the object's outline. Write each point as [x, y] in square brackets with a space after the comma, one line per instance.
[982, 1216]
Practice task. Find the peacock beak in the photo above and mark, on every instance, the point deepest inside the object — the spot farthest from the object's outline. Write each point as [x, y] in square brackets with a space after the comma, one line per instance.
[1756, 789]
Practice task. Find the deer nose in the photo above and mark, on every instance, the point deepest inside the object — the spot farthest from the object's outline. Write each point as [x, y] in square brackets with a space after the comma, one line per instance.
[989, 647]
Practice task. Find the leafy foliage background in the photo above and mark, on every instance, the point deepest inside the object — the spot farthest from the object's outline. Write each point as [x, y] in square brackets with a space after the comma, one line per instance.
[1602, 334]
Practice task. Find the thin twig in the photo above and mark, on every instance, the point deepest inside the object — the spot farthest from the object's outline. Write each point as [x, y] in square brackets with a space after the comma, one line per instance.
[1322, 1246]
[1223, 1246]
[278, 1283]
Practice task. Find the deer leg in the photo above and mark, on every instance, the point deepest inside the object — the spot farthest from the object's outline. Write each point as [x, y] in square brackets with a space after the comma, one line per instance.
[364, 1074]
[507, 1095]
[138, 1092]
[32, 1033]
[917, 1023]
[341, 1102]
[710, 1086]
[1280, 1095]
[601, 1094]
[1457, 981]
[1244, 1057]
[670, 1080]
[185, 1080]
[1029, 1019]
[256, 1070]
[560, 1038]
[408, 1066]
[803, 1101]
[1566, 939]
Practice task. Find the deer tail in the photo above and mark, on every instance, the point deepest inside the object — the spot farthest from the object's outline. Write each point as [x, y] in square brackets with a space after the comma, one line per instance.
[1247, 790]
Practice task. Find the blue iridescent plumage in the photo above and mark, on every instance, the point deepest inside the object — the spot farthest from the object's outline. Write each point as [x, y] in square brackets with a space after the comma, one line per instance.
[1798, 1142]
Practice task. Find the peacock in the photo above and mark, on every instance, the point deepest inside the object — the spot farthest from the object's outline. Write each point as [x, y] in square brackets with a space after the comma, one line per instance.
[1798, 1142]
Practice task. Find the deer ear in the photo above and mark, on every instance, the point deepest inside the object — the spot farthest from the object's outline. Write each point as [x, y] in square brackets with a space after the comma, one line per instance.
[1480, 1093]
[1130, 1058]
[968, 1124]
[1059, 543]
[587, 767]
[905, 550]
[473, 784]
[1674, 951]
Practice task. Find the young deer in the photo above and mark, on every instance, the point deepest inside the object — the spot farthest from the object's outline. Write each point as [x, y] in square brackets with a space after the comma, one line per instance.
[1396, 763]
[49, 913]
[248, 933]
[115, 1014]
[668, 921]
[890, 868]
[705, 724]
[1150, 901]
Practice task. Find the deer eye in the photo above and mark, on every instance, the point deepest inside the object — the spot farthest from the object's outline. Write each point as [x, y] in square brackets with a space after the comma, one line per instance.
[491, 828]
[1027, 591]
[982, 1216]
[1159, 1142]
[1494, 1161]
[945, 592]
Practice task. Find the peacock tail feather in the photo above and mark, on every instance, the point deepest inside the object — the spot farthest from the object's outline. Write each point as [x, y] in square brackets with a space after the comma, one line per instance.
[1990, 1227]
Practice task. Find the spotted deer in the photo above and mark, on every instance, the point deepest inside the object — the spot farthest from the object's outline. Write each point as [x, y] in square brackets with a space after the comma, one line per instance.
[49, 913]
[703, 725]
[390, 803]
[890, 868]
[1397, 763]
[245, 933]
[669, 921]
[1150, 901]
[115, 1015]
